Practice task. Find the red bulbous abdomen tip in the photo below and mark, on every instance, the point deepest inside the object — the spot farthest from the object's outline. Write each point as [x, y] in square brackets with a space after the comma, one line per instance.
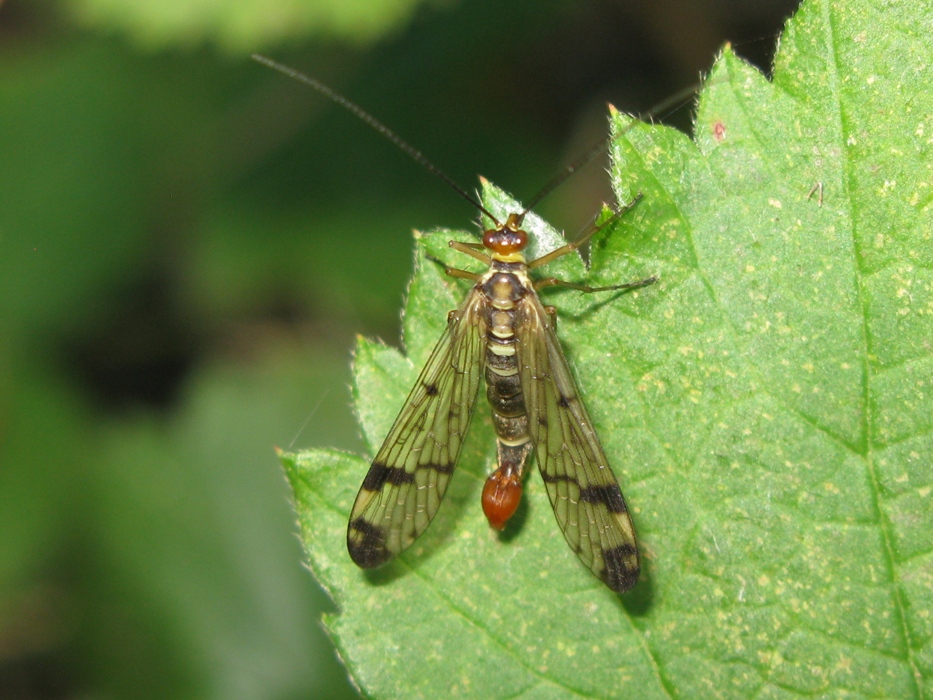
[501, 496]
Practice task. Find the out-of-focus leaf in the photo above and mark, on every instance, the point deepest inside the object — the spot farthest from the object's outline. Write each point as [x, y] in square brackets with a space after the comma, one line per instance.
[241, 26]
[195, 550]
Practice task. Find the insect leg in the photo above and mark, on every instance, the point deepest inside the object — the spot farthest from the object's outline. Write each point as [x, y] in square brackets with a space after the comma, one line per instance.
[570, 247]
[554, 282]
[474, 250]
[455, 271]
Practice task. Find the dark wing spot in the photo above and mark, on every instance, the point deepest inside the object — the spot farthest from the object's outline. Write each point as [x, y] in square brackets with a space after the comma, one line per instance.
[542, 421]
[366, 543]
[379, 475]
[564, 401]
[554, 478]
[621, 567]
[430, 389]
[440, 468]
[609, 495]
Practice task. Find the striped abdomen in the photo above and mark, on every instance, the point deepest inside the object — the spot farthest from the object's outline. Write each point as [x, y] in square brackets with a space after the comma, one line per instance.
[503, 490]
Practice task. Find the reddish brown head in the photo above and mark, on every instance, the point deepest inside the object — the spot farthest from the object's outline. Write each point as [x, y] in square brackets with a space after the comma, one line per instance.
[508, 238]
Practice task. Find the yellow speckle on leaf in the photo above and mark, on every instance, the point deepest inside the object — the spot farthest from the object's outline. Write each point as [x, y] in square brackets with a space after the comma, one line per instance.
[844, 664]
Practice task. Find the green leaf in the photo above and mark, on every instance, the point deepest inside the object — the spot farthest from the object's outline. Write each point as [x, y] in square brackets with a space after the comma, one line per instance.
[767, 408]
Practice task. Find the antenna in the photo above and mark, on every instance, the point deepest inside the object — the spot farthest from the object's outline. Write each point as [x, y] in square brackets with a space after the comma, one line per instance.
[348, 104]
[421, 159]
[671, 102]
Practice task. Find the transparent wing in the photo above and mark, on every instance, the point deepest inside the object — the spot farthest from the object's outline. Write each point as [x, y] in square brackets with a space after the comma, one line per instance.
[583, 490]
[404, 486]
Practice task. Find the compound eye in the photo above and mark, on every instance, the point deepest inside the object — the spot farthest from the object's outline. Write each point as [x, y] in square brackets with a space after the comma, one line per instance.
[504, 240]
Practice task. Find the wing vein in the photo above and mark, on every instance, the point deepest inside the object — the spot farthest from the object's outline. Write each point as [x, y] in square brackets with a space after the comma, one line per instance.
[409, 476]
[584, 493]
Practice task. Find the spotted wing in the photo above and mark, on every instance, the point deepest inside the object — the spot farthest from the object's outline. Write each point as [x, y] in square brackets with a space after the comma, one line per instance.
[404, 486]
[583, 490]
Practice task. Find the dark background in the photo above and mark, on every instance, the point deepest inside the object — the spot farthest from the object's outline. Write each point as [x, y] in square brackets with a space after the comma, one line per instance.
[189, 243]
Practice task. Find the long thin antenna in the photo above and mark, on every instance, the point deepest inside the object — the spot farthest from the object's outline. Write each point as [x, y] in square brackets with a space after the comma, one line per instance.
[347, 104]
[559, 179]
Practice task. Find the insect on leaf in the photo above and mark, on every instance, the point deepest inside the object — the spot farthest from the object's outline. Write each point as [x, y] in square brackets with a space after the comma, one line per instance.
[503, 332]
[767, 409]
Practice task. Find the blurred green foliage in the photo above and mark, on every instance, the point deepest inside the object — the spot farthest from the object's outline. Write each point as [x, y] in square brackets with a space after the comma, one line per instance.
[241, 25]
[188, 244]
